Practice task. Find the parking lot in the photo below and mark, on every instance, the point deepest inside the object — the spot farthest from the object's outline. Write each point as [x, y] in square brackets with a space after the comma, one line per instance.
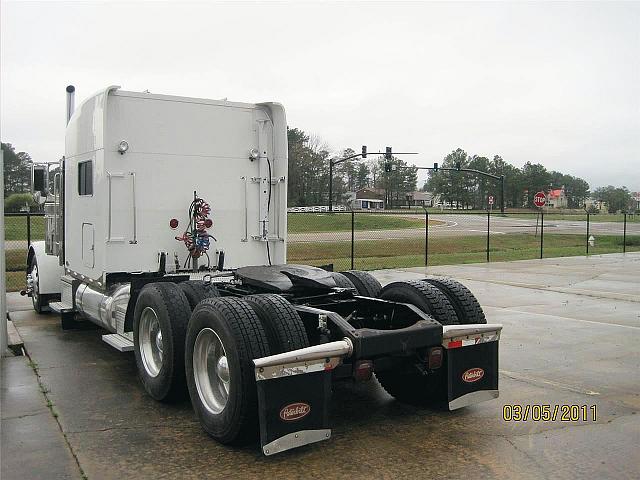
[571, 333]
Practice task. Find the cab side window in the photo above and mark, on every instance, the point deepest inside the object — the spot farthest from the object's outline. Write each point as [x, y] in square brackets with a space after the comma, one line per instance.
[85, 178]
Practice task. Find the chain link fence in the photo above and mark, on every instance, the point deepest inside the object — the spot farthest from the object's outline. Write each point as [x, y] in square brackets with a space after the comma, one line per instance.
[374, 240]
[20, 230]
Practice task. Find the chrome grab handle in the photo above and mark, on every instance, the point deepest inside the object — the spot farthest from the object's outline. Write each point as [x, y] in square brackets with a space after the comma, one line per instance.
[133, 192]
[246, 213]
[109, 214]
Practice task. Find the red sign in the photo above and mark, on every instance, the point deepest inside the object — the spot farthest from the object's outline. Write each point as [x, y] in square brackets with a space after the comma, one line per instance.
[490, 199]
[539, 199]
[473, 375]
[294, 411]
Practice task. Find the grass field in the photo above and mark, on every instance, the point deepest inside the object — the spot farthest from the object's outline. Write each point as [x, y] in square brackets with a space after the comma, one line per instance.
[16, 228]
[341, 222]
[376, 254]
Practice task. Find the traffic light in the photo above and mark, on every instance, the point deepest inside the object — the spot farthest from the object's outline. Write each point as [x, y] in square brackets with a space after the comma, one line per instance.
[435, 166]
[364, 151]
[387, 166]
[458, 165]
[388, 154]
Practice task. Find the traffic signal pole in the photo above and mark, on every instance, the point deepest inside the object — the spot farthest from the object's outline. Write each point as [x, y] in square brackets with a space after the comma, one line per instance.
[363, 154]
[436, 168]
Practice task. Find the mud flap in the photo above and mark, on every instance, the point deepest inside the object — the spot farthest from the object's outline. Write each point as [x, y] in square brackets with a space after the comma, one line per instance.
[472, 363]
[293, 404]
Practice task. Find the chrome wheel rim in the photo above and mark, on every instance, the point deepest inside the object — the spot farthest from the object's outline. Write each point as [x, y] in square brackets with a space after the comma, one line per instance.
[211, 371]
[35, 288]
[150, 341]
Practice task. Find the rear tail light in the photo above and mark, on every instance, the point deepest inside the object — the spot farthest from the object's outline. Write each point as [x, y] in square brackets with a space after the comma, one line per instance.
[434, 358]
[362, 370]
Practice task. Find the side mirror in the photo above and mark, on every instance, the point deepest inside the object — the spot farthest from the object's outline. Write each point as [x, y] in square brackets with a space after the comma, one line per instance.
[39, 182]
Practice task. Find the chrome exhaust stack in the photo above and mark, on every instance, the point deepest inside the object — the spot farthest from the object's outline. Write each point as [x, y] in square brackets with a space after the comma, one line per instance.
[70, 101]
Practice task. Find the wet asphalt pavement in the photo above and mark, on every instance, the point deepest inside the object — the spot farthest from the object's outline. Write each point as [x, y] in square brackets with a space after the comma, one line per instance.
[571, 336]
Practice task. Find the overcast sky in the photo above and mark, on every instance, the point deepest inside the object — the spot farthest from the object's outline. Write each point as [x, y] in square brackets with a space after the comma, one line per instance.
[554, 83]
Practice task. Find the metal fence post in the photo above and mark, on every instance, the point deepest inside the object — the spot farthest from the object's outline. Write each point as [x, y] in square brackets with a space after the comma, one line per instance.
[28, 228]
[587, 233]
[488, 231]
[541, 232]
[426, 237]
[353, 237]
[624, 235]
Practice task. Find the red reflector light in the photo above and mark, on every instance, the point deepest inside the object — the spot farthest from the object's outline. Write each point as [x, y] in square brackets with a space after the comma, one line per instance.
[173, 223]
[435, 358]
[362, 370]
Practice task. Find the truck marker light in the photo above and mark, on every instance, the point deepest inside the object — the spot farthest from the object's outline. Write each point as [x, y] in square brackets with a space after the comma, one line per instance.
[435, 358]
[472, 375]
[173, 223]
[295, 411]
[362, 370]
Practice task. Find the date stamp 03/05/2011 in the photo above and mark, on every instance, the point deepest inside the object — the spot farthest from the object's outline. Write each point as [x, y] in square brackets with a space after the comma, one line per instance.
[549, 413]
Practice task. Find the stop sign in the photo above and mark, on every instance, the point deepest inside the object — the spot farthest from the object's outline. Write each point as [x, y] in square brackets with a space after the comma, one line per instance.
[539, 199]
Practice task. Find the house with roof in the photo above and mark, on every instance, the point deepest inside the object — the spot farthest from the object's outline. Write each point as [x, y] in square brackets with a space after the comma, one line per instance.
[557, 198]
[421, 199]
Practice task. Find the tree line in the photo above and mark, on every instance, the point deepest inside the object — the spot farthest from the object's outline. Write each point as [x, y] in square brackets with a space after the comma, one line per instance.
[309, 179]
[469, 190]
[309, 173]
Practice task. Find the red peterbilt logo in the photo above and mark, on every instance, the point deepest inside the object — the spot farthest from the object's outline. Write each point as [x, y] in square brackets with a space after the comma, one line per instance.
[294, 411]
[472, 375]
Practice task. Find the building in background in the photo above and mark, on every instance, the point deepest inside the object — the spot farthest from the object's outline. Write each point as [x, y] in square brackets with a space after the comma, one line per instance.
[557, 198]
[421, 199]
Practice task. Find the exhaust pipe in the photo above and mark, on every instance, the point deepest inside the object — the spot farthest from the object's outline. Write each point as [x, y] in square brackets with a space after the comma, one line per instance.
[70, 101]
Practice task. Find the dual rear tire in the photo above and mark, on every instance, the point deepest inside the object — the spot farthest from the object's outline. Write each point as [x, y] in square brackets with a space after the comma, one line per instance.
[450, 303]
[224, 336]
[207, 348]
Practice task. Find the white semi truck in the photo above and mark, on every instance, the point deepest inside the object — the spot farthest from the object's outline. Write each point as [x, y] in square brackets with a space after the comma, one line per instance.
[166, 225]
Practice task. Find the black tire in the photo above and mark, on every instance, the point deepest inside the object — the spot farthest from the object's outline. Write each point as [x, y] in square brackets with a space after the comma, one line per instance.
[40, 303]
[465, 304]
[343, 281]
[172, 311]
[365, 283]
[407, 382]
[425, 296]
[282, 324]
[198, 290]
[241, 333]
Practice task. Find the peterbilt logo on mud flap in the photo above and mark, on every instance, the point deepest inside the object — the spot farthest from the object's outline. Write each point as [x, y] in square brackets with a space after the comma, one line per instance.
[472, 375]
[294, 411]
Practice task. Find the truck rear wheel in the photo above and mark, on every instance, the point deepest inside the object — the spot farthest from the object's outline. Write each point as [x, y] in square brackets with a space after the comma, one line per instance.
[425, 296]
[223, 338]
[343, 281]
[465, 304]
[198, 290]
[410, 381]
[282, 324]
[366, 284]
[160, 323]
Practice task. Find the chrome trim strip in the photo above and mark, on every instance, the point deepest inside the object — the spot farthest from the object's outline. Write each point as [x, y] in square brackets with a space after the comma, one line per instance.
[472, 398]
[341, 348]
[295, 439]
[450, 331]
